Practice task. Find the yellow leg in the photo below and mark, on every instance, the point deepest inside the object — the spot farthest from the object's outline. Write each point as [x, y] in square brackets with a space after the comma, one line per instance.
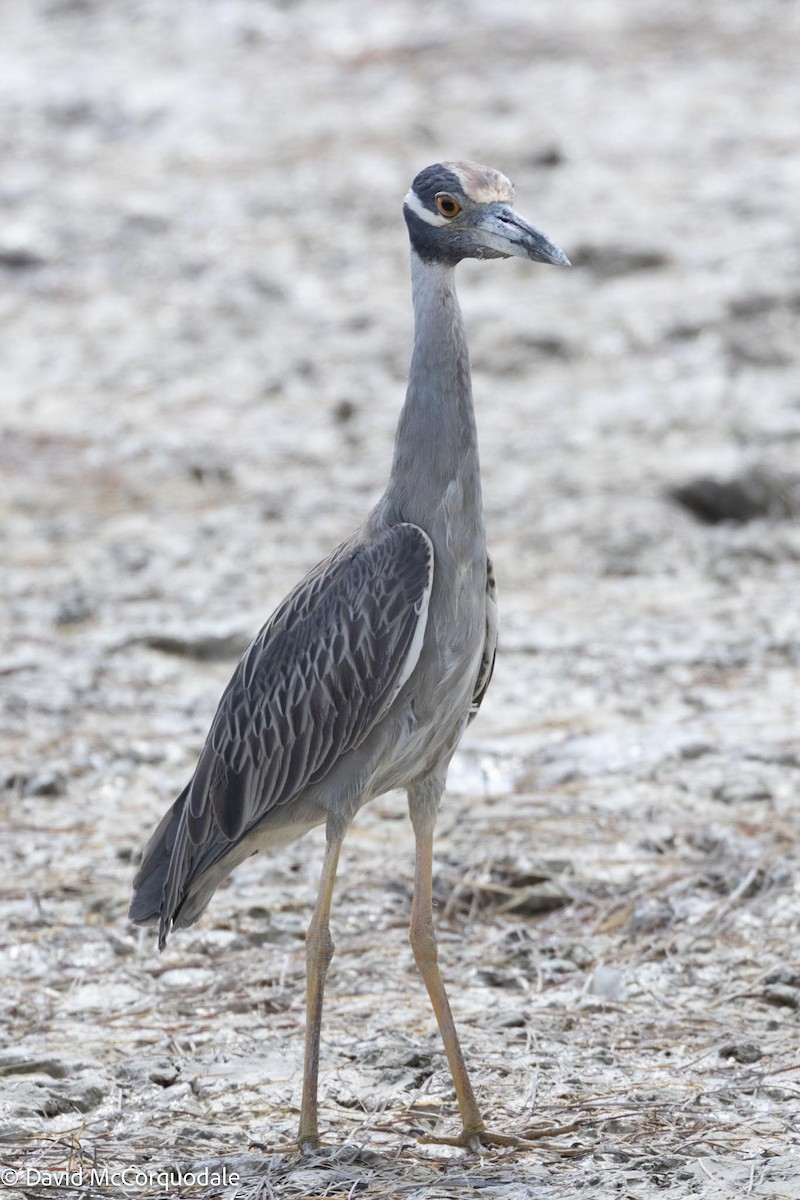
[423, 944]
[319, 952]
[474, 1134]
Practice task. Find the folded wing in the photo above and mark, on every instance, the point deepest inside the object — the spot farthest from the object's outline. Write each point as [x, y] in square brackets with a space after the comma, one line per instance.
[309, 688]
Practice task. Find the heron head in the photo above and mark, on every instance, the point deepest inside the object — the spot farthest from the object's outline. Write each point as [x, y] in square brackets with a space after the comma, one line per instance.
[458, 210]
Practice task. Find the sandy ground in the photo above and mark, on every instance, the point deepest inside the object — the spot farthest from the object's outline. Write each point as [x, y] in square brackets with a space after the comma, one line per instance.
[205, 329]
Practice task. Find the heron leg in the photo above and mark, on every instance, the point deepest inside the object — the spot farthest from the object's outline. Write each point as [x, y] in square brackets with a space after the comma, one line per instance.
[319, 952]
[423, 945]
[423, 805]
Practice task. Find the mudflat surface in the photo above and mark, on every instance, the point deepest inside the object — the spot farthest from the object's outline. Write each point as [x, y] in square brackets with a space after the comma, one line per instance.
[205, 318]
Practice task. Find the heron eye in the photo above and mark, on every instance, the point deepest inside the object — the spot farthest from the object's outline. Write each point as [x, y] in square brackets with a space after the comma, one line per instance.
[447, 206]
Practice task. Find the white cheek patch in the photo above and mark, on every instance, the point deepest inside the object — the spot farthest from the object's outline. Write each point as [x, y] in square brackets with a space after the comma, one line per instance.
[419, 210]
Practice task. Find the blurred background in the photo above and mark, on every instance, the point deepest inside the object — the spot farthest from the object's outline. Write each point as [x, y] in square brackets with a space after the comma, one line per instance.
[205, 325]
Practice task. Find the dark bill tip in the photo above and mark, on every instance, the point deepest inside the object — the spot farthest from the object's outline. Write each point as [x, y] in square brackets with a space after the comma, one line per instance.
[530, 242]
[544, 251]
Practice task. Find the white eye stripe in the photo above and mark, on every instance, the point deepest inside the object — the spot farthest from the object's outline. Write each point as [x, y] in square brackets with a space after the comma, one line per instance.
[419, 210]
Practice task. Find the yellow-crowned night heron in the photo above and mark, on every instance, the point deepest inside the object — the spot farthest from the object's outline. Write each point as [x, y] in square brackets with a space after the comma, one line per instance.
[366, 675]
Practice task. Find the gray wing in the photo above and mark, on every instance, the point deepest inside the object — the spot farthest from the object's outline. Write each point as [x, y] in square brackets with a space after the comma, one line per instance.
[309, 688]
[490, 645]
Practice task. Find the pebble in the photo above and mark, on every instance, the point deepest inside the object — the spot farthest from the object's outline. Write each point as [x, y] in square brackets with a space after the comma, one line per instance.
[162, 1071]
[782, 995]
[21, 249]
[742, 1052]
[46, 783]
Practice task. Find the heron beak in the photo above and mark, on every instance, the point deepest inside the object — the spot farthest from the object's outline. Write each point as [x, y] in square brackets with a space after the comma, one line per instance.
[505, 232]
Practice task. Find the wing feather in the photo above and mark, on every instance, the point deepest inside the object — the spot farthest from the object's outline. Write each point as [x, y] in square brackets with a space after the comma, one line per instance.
[309, 688]
[486, 669]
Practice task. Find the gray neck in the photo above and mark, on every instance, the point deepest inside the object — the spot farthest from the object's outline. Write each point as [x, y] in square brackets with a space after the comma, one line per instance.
[436, 441]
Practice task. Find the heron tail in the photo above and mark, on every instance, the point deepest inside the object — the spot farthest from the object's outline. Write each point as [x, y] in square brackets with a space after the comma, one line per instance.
[148, 886]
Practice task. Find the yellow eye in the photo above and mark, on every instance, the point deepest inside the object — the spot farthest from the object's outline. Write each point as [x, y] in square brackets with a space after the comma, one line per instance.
[447, 206]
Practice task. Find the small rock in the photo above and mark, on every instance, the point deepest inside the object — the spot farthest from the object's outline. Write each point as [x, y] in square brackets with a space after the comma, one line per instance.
[513, 1020]
[498, 979]
[534, 900]
[740, 791]
[46, 783]
[548, 156]
[790, 976]
[45, 1097]
[162, 1071]
[19, 249]
[580, 955]
[746, 497]
[344, 411]
[780, 876]
[695, 749]
[741, 1052]
[69, 1097]
[782, 996]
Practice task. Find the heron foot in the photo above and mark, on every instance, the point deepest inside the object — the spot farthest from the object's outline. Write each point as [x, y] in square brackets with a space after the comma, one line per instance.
[480, 1139]
[305, 1147]
[311, 1144]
